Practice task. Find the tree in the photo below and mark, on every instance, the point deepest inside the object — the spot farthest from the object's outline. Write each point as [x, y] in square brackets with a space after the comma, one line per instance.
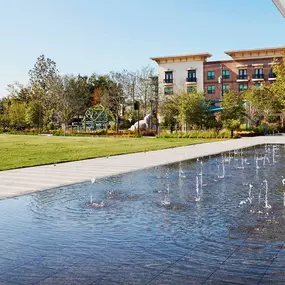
[116, 97]
[4, 119]
[97, 87]
[264, 102]
[17, 114]
[33, 114]
[233, 109]
[189, 108]
[43, 72]
[145, 87]
[170, 111]
[278, 87]
[19, 92]
[43, 78]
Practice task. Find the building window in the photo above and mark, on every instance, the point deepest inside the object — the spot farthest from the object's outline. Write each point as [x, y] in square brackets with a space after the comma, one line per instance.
[225, 88]
[226, 74]
[168, 77]
[258, 73]
[191, 76]
[242, 74]
[211, 75]
[168, 90]
[257, 85]
[211, 89]
[242, 87]
[190, 89]
[271, 73]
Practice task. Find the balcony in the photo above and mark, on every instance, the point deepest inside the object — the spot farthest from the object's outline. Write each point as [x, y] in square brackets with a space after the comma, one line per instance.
[168, 92]
[271, 76]
[191, 80]
[257, 77]
[226, 76]
[242, 77]
[168, 81]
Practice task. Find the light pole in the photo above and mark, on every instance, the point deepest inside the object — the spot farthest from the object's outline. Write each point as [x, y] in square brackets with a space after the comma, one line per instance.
[221, 81]
[137, 108]
[151, 113]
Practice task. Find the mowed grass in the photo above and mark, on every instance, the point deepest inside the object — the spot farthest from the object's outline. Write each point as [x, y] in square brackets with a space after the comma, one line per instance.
[23, 150]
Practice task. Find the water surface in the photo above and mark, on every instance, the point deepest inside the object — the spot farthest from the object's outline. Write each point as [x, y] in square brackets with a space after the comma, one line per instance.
[157, 226]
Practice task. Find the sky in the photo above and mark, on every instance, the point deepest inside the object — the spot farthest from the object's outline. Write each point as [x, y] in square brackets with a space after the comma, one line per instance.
[86, 36]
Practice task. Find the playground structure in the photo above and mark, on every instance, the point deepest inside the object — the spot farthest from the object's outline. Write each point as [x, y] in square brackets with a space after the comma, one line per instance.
[97, 117]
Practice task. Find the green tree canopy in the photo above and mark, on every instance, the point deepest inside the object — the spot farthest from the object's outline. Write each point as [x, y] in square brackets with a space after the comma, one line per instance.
[233, 109]
[264, 102]
[189, 108]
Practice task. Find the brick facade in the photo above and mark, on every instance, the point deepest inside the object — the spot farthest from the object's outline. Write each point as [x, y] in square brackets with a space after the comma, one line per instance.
[233, 66]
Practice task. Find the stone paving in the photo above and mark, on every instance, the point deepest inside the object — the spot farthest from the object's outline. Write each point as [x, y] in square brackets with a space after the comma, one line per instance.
[32, 179]
[228, 265]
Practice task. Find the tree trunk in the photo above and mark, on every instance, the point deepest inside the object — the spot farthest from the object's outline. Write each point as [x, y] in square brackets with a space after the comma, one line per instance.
[145, 103]
[117, 122]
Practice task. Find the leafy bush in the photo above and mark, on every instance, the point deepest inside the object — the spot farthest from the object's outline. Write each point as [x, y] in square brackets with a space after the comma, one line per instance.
[60, 132]
[207, 134]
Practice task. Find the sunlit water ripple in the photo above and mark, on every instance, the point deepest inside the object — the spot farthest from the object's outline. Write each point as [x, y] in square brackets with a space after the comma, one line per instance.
[152, 211]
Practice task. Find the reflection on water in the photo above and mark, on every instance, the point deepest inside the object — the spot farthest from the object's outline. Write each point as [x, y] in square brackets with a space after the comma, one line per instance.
[232, 204]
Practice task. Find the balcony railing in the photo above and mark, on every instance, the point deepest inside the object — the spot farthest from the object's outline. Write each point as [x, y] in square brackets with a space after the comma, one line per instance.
[168, 92]
[226, 76]
[191, 79]
[271, 75]
[168, 80]
[257, 76]
[210, 77]
[242, 76]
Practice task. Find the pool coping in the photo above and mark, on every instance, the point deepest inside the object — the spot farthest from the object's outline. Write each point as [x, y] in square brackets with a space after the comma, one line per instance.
[22, 181]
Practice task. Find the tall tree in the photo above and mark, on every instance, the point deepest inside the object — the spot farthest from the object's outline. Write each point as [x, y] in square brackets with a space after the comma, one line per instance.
[191, 109]
[17, 114]
[72, 93]
[233, 109]
[43, 72]
[278, 87]
[33, 114]
[43, 78]
[19, 92]
[145, 86]
[116, 96]
[264, 102]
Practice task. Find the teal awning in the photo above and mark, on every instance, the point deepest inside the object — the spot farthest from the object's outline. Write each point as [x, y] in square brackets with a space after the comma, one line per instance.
[215, 110]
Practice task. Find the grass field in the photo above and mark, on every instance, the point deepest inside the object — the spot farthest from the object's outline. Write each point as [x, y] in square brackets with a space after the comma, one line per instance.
[23, 150]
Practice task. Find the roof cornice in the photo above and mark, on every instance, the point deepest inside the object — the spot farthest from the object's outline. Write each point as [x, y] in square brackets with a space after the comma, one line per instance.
[256, 53]
[180, 58]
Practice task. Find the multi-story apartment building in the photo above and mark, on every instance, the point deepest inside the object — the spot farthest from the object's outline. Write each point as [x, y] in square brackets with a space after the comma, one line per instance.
[246, 68]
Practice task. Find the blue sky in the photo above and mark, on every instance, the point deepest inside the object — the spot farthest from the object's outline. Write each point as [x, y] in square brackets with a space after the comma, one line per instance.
[85, 36]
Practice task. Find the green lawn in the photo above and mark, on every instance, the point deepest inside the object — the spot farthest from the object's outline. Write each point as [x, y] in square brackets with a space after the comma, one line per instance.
[23, 150]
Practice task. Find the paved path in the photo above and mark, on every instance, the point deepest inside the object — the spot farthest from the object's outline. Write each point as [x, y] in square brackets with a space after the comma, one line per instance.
[31, 179]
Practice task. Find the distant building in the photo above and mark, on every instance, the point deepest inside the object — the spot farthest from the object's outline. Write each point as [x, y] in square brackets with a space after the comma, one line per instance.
[246, 68]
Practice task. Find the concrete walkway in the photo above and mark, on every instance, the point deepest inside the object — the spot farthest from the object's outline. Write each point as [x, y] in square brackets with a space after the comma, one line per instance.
[31, 179]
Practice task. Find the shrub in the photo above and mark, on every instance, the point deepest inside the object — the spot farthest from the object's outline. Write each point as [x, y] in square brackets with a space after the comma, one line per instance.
[208, 134]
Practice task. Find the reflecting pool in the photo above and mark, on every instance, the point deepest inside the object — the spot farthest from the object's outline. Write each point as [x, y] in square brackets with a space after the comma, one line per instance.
[215, 220]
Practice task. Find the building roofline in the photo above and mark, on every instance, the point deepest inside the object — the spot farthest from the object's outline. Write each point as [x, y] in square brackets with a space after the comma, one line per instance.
[255, 50]
[184, 56]
[235, 60]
